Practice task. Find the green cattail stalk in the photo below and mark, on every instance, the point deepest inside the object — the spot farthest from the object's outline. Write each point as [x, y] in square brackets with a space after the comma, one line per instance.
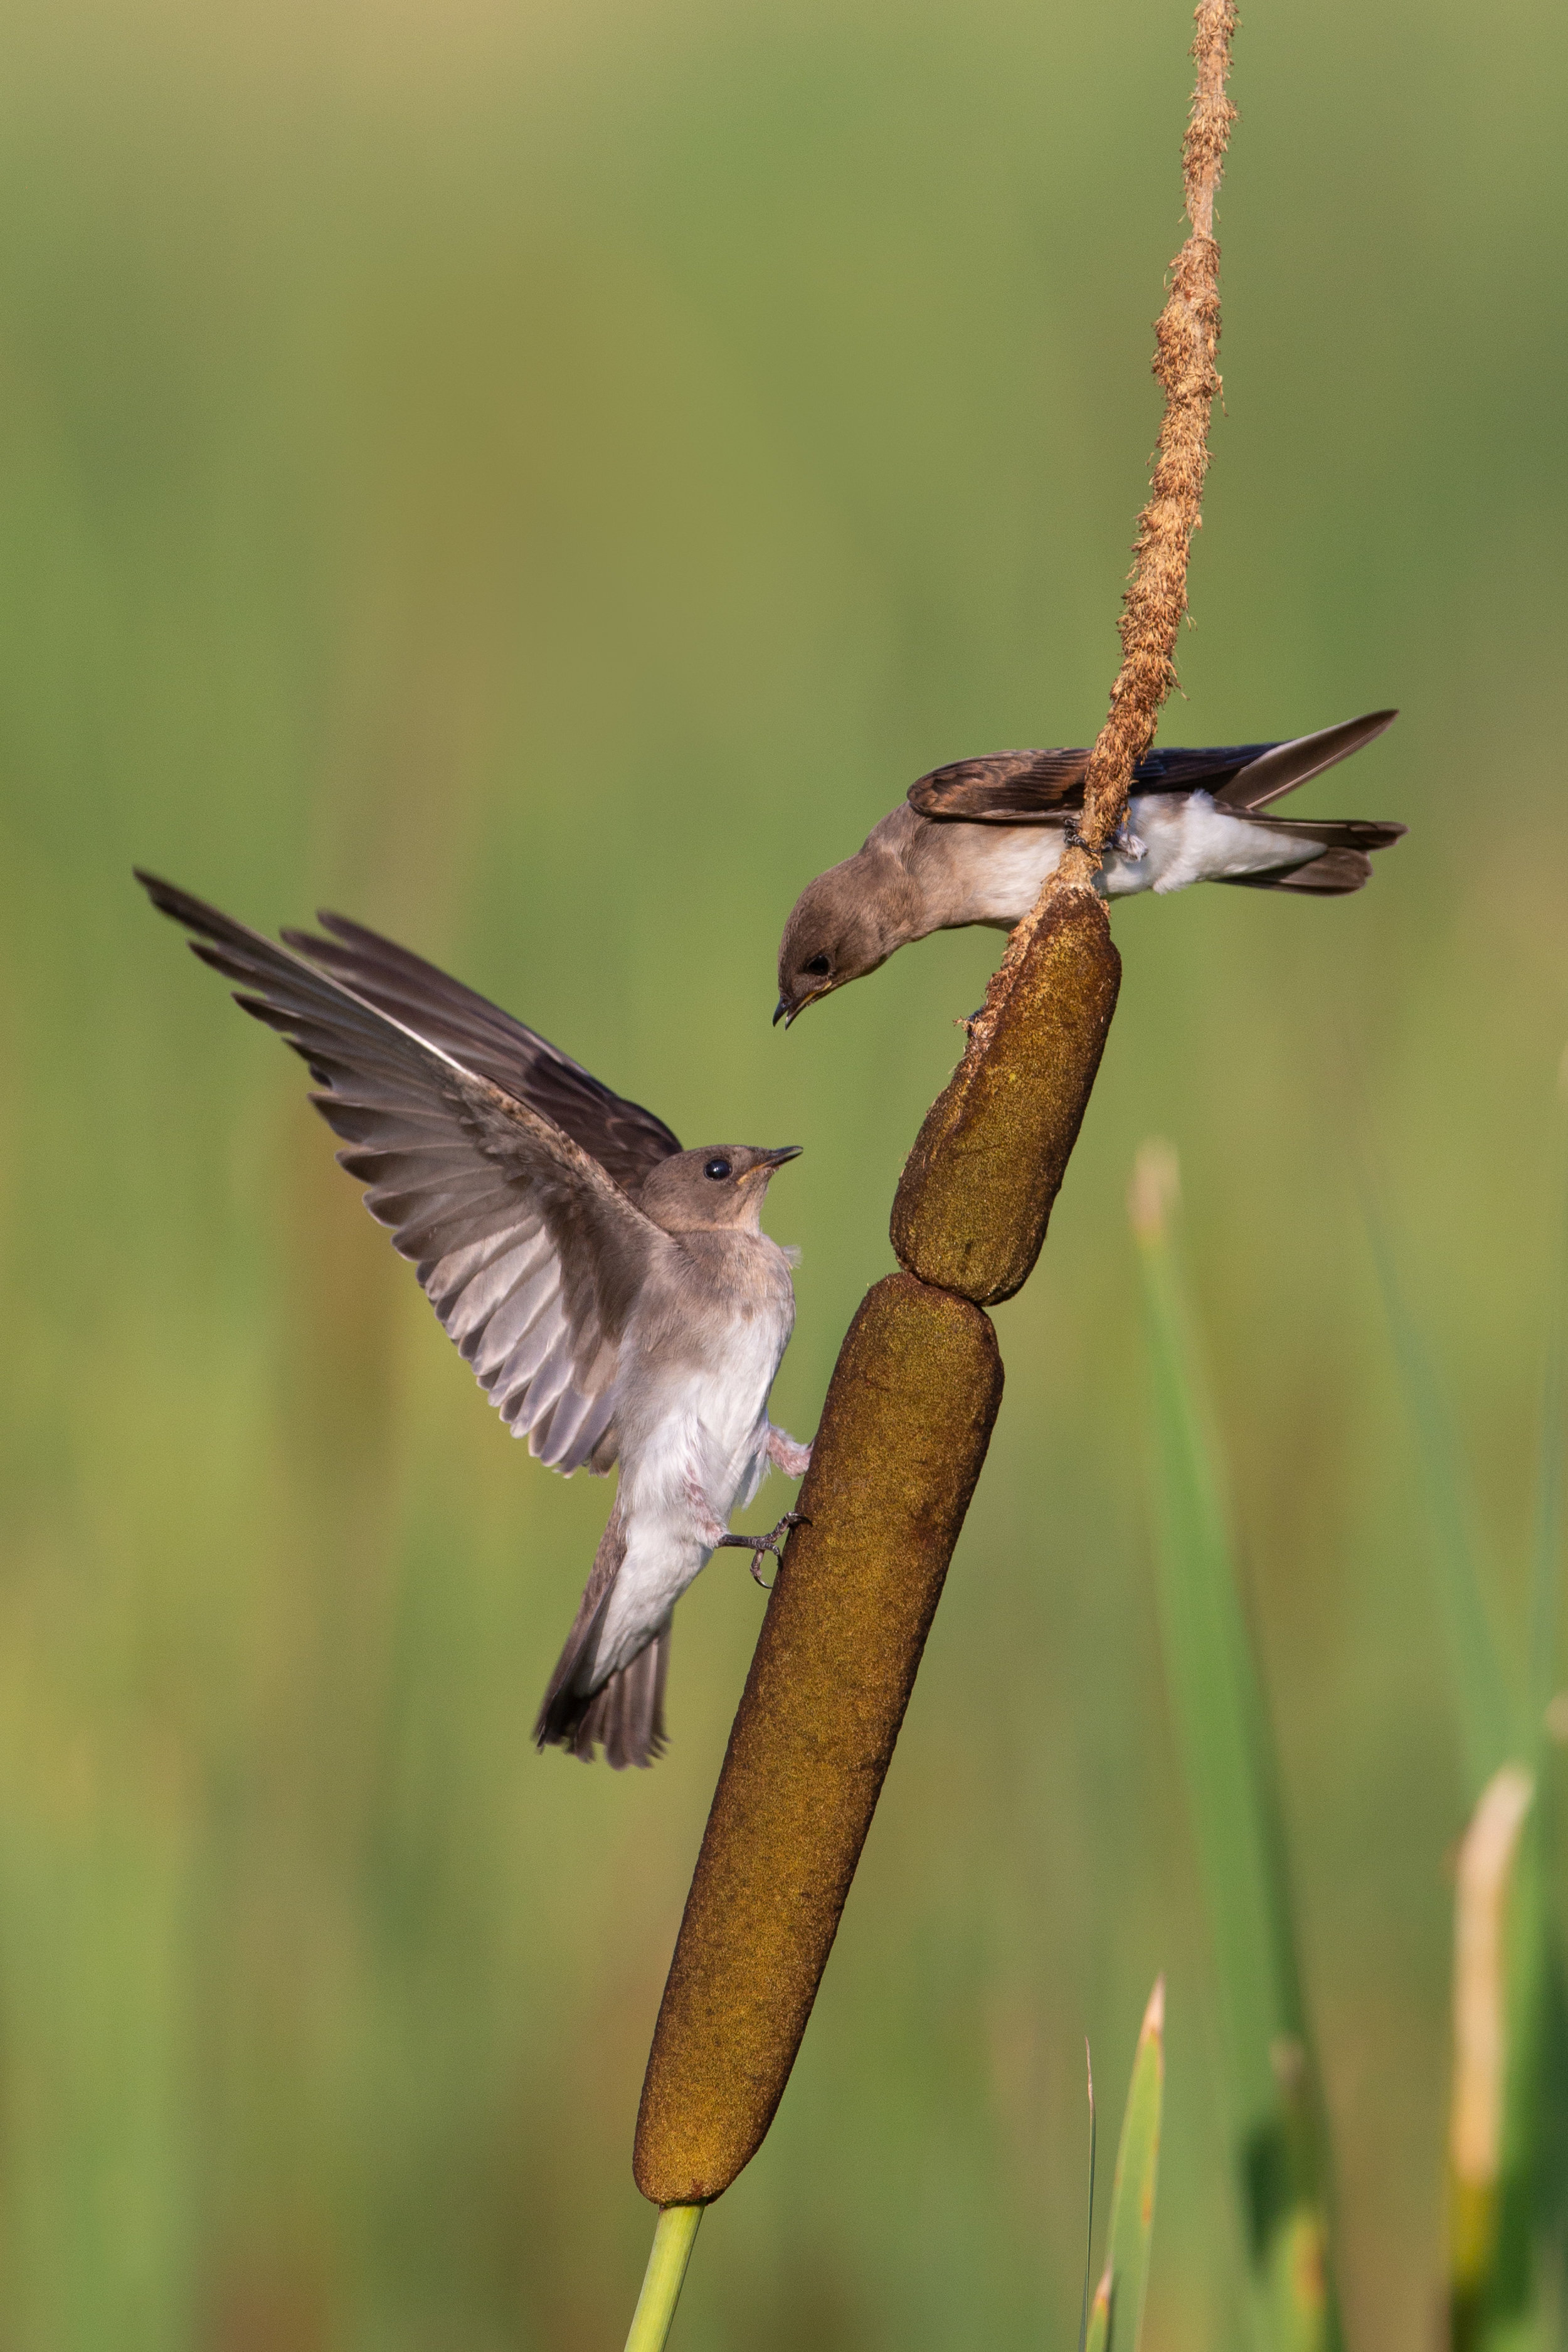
[662, 2281]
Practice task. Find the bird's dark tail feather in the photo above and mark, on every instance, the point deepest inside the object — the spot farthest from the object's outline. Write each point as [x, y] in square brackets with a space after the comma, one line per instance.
[625, 1715]
[1343, 865]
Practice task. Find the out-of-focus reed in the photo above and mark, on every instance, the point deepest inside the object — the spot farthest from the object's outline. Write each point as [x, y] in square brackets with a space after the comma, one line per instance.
[1507, 2180]
[1278, 2144]
[1508, 2153]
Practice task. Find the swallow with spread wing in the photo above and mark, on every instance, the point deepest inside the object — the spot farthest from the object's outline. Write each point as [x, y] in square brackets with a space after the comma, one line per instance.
[614, 1295]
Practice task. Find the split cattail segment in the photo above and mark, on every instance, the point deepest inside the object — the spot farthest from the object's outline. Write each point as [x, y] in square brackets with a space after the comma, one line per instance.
[977, 1190]
[904, 1431]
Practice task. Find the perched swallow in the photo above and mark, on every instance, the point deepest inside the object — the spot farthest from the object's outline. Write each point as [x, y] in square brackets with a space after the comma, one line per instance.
[614, 1295]
[975, 842]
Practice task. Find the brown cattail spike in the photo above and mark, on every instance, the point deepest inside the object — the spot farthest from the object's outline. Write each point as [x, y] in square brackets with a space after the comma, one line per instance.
[904, 1432]
[976, 1196]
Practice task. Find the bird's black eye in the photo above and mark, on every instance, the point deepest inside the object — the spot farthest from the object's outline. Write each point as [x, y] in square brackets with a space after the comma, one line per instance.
[717, 1168]
[818, 967]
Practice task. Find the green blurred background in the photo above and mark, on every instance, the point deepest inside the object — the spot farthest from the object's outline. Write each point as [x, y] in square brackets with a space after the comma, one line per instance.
[544, 477]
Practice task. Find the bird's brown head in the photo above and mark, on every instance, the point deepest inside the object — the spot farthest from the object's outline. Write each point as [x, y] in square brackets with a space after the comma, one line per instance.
[842, 925]
[723, 1184]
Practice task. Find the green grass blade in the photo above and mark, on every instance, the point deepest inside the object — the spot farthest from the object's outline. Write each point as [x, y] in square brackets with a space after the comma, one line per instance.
[674, 2236]
[1486, 1708]
[1546, 1563]
[1500, 1982]
[1088, 2237]
[1275, 2109]
[1099, 2313]
[1137, 2174]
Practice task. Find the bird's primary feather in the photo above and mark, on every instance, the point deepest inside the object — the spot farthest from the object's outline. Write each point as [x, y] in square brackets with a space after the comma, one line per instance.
[530, 1255]
[626, 1139]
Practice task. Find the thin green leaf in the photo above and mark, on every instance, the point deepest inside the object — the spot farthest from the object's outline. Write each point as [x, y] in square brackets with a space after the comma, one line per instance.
[1137, 2175]
[1099, 2317]
[1546, 1563]
[1499, 2012]
[1088, 2239]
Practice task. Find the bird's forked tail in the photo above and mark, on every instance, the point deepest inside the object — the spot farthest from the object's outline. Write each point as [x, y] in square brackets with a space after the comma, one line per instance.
[624, 1715]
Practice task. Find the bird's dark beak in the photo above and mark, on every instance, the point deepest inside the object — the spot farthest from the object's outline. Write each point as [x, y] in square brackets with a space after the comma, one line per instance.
[787, 1013]
[777, 1158]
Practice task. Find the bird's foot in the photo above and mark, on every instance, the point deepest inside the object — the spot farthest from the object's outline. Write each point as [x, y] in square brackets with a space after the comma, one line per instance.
[1124, 843]
[774, 1541]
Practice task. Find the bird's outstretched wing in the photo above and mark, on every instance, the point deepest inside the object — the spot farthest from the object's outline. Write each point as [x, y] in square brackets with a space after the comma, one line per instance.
[530, 1255]
[1046, 787]
[626, 1139]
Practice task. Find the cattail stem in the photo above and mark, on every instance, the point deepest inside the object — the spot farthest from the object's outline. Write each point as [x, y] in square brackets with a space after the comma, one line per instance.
[675, 2235]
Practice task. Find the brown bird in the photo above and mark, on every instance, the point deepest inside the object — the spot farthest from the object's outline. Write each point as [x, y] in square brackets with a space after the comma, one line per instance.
[975, 842]
[614, 1295]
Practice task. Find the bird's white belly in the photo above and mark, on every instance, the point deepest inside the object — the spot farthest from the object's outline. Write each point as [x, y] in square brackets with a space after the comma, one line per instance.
[1184, 839]
[710, 1431]
[1187, 839]
[1004, 883]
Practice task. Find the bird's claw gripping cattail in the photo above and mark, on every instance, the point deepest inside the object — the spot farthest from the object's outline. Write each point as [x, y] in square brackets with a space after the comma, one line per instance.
[774, 1542]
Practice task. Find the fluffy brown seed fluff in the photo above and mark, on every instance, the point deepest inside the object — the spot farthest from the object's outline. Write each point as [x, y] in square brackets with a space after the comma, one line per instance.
[1186, 341]
[1187, 353]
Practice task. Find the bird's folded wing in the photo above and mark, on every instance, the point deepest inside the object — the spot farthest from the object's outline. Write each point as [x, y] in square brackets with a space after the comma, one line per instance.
[626, 1139]
[1005, 788]
[1046, 787]
[1276, 769]
[531, 1257]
